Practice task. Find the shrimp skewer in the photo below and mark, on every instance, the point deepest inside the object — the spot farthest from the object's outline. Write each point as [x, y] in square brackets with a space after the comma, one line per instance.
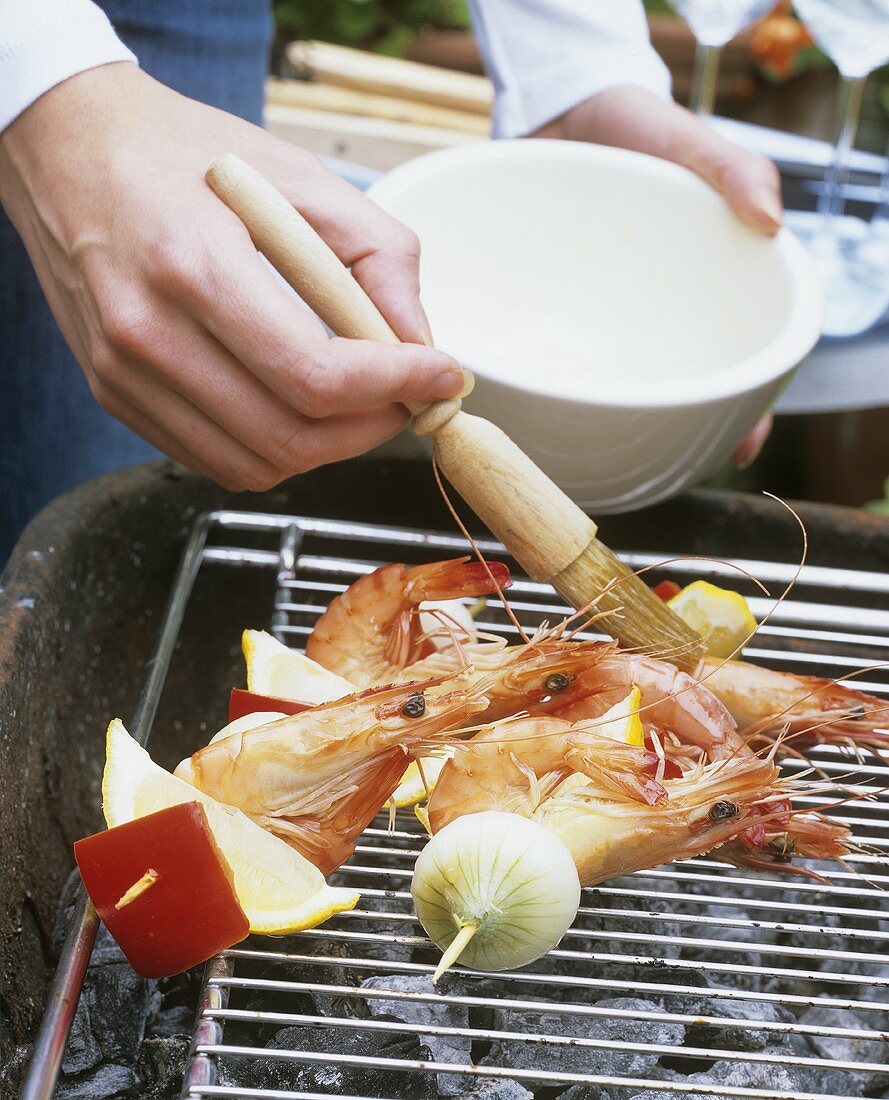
[762, 702]
[372, 630]
[601, 798]
[317, 778]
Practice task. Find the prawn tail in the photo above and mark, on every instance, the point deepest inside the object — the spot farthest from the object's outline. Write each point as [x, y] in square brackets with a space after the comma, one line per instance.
[446, 580]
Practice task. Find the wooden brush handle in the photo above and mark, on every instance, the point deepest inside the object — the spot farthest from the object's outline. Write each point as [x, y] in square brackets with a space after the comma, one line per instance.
[551, 538]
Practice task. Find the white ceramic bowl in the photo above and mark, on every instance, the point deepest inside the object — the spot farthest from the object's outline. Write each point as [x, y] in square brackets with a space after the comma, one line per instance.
[624, 327]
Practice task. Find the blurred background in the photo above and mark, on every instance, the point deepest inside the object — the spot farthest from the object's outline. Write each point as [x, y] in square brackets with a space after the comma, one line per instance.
[775, 90]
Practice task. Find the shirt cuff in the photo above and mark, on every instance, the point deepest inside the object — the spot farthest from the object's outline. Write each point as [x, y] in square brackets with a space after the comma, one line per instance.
[44, 42]
[526, 105]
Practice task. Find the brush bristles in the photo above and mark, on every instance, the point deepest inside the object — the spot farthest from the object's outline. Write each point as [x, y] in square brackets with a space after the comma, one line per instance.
[641, 620]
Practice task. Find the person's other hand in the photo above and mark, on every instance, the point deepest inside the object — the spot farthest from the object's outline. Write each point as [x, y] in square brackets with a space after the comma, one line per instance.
[182, 330]
[633, 118]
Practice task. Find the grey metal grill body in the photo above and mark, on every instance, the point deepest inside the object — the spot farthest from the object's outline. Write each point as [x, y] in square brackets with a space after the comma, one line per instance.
[748, 969]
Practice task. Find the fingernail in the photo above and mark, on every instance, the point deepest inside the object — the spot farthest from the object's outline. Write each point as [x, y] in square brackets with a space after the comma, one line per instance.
[748, 453]
[768, 204]
[423, 323]
[448, 383]
[468, 383]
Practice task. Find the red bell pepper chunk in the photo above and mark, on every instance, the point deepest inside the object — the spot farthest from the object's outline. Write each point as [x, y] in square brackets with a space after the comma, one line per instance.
[163, 889]
[242, 702]
[667, 590]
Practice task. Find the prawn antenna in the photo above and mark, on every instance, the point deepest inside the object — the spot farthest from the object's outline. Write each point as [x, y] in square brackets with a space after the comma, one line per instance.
[475, 549]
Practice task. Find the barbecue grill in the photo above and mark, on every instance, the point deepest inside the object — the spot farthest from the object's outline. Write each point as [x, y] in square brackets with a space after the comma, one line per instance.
[696, 979]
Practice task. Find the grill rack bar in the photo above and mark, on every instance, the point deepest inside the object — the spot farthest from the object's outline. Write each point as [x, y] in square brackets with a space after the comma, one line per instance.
[563, 1009]
[776, 1056]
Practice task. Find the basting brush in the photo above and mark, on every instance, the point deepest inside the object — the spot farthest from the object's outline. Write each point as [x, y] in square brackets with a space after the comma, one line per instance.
[552, 539]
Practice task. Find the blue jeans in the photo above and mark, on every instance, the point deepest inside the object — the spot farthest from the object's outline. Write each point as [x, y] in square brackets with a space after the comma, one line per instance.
[53, 435]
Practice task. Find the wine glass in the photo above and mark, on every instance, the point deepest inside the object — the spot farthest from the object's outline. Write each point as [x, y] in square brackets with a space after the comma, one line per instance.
[714, 23]
[855, 36]
[871, 265]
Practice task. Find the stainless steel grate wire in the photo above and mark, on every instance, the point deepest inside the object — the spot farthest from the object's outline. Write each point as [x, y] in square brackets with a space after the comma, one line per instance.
[778, 982]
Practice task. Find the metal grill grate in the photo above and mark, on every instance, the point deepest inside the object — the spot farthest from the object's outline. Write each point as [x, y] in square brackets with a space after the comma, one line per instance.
[690, 980]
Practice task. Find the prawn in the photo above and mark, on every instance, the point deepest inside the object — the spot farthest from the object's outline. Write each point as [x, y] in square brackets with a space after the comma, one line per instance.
[704, 710]
[373, 630]
[685, 718]
[764, 702]
[317, 778]
[671, 699]
[606, 801]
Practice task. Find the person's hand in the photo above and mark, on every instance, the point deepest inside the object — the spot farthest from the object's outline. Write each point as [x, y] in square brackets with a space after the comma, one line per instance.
[633, 118]
[182, 330]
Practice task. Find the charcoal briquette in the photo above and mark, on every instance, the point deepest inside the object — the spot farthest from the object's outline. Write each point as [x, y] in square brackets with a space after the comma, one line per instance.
[160, 1065]
[514, 1054]
[108, 1080]
[737, 1038]
[496, 1088]
[334, 1078]
[444, 1048]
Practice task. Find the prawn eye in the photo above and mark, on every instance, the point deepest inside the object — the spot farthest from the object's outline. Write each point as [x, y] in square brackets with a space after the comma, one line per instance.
[558, 681]
[415, 707]
[722, 811]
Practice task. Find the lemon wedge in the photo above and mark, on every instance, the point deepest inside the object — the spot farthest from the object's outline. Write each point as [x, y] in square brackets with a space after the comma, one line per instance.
[720, 616]
[622, 722]
[275, 669]
[410, 790]
[279, 890]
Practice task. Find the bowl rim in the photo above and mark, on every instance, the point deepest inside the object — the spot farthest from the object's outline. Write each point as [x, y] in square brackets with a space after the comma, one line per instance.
[781, 356]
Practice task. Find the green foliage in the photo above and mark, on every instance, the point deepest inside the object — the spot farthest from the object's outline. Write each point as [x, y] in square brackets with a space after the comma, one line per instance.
[387, 25]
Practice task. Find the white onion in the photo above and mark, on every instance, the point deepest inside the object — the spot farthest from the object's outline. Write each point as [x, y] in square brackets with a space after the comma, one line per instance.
[454, 618]
[495, 890]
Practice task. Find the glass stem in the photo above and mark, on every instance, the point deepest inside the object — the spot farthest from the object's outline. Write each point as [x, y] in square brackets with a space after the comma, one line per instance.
[703, 88]
[882, 212]
[830, 202]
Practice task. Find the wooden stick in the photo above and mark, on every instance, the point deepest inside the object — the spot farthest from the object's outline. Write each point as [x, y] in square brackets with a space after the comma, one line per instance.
[550, 537]
[393, 76]
[347, 101]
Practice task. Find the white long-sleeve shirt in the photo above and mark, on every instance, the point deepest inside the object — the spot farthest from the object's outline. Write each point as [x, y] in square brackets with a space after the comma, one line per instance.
[544, 56]
[43, 42]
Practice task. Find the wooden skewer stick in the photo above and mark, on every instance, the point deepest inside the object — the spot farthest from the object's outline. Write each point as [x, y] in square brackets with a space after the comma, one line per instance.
[552, 539]
[137, 889]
